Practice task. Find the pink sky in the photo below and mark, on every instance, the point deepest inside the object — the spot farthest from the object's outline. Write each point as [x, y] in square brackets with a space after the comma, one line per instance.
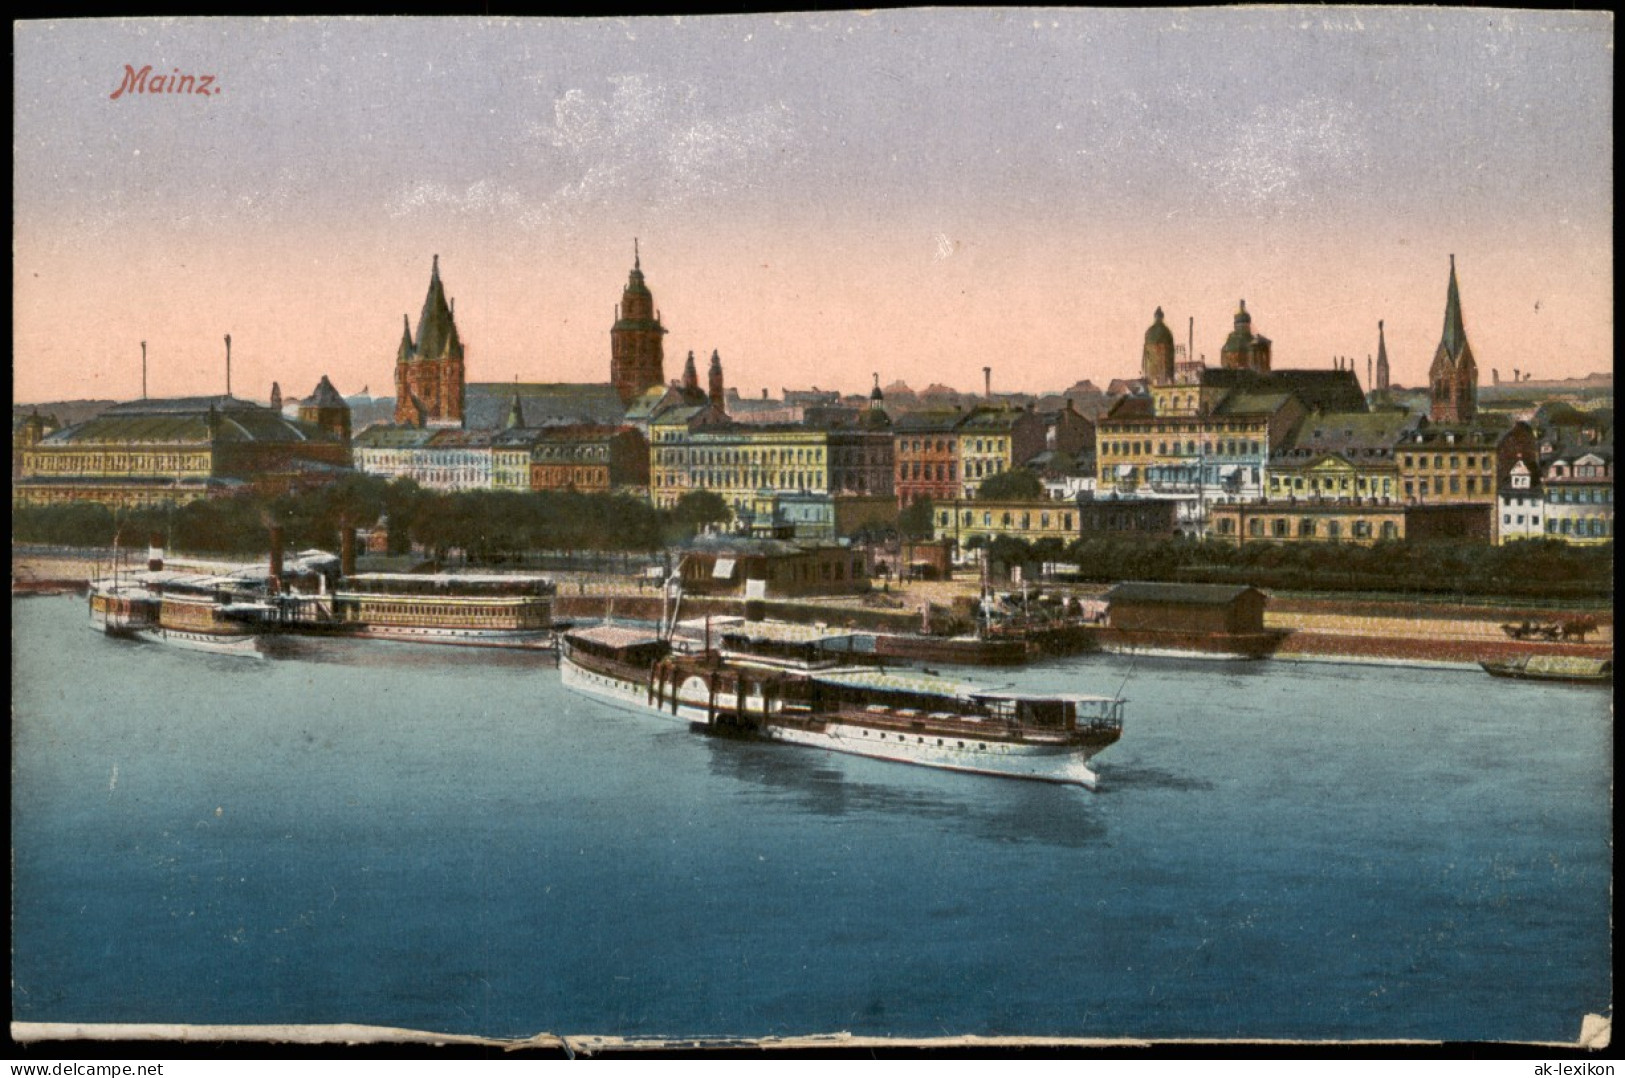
[817, 197]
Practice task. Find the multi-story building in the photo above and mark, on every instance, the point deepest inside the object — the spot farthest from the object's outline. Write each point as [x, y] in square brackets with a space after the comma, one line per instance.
[736, 461]
[1361, 521]
[1462, 463]
[588, 458]
[994, 440]
[156, 453]
[1204, 435]
[441, 460]
[926, 455]
[964, 520]
[1520, 506]
[1579, 489]
[1340, 455]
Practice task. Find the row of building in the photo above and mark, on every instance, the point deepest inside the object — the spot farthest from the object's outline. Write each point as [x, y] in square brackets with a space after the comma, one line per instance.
[1237, 452]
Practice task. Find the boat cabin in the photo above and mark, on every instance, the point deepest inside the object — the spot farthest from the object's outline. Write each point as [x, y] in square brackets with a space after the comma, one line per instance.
[616, 643]
[1064, 711]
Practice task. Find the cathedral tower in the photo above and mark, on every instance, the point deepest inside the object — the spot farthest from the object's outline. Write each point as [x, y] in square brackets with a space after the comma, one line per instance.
[429, 375]
[714, 382]
[1243, 349]
[1453, 378]
[637, 359]
[1157, 361]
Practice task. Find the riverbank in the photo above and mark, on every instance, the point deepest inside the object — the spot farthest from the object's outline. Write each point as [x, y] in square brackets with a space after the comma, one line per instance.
[1400, 631]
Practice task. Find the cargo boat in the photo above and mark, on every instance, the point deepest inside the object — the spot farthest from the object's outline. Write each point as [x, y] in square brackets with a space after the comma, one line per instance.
[1576, 668]
[902, 716]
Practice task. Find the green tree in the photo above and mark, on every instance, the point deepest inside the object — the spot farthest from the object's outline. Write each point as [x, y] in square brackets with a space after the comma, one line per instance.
[1016, 485]
[698, 508]
[917, 519]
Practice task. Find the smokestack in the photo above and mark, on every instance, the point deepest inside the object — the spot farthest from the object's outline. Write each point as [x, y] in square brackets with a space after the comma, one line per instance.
[1190, 337]
[143, 370]
[228, 364]
[347, 551]
[276, 556]
[155, 552]
[987, 383]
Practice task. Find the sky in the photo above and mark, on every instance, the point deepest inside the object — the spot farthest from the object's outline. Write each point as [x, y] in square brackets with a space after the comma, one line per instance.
[817, 197]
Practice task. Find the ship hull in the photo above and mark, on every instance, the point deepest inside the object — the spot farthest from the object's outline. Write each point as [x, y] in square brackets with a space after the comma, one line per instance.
[522, 639]
[239, 644]
[1065, 764]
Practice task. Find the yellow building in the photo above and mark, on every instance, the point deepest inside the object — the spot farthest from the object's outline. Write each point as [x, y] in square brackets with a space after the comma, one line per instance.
[744, 463]
[962, 520]
[1362, 521]
[994, 440]
[159, 453]
[1465, 463]
[736, 462]
[1340, 455]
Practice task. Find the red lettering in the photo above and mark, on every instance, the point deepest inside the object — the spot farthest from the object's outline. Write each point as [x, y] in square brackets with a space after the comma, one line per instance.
[134, 81]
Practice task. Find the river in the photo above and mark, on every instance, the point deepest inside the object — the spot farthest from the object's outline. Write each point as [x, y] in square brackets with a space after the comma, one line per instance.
[447, 840]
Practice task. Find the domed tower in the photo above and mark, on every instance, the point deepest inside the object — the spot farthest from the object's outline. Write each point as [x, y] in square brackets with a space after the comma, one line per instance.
[1157, 362]
[637, 359]
[876, 415]
[1245, 350]
[429, 373]
[1453, 377]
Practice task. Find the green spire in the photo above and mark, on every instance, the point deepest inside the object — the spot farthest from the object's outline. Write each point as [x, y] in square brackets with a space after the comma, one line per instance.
[1455, 334]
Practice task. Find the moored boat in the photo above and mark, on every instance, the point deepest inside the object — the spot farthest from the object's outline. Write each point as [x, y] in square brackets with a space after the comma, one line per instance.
[199, 612]
[902, 716]
[469, 609]
[1577, 668]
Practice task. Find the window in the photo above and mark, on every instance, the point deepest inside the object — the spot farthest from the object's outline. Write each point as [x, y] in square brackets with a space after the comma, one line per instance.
[1306, 528]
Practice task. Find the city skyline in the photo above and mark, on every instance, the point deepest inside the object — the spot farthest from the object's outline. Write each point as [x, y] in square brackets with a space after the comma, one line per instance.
[816, 197]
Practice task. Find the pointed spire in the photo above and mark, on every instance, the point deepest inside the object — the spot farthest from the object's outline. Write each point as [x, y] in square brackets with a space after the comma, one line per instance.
[691, 374]
[1455, 334]
[516, 413]
[637, 260]
[437, 337]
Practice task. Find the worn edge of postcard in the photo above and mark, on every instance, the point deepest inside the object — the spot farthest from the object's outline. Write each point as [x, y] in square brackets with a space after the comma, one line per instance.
[1596, 1033]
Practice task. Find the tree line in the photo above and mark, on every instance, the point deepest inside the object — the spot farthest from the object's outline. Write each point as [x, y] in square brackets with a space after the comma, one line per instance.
[485, 525]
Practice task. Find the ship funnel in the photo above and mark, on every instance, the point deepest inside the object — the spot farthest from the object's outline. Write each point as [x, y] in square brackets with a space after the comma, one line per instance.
[276, 555]
[347, 552]
[155, 552]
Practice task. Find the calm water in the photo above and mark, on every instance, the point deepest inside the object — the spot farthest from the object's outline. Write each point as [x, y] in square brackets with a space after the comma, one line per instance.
[430, 838]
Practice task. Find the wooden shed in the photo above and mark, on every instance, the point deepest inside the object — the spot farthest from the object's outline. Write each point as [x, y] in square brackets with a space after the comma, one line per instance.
[1186, 608]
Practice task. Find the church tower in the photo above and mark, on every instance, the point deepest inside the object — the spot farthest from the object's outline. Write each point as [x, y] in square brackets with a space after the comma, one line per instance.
[1157, 361]
[429, 374]
[637, 359]
[1382, 361]
[1453, 377]
[327, 410]
[1243, 349]
[714, 382]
